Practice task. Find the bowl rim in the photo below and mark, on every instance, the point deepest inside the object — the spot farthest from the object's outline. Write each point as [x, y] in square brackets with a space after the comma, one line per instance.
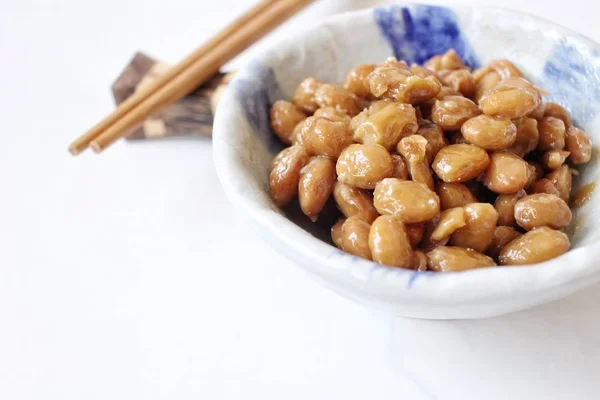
[327, 261]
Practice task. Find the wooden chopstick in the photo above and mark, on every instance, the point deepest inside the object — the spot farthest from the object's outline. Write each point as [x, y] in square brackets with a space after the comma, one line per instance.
[136, 98]
[195, 69]
[201, 70]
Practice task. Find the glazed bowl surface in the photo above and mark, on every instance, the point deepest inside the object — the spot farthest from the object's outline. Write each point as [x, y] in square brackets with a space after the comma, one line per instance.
[563, 62]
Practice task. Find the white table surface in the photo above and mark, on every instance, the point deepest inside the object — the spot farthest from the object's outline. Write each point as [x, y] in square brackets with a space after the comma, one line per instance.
[128, 276]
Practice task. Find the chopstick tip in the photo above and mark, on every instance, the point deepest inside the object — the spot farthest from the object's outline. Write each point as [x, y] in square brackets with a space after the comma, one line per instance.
[74, 150]
[96, 147]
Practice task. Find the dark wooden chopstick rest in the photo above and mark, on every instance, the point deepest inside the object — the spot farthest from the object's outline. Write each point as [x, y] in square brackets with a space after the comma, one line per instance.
[190, 116]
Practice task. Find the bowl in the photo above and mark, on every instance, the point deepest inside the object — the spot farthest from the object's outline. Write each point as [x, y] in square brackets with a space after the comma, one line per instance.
[563, 62]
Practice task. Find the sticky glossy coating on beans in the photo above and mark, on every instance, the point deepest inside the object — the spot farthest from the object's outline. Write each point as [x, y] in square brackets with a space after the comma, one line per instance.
[489, 133]
[355, 237]
[389, 242]
[385, 123]
[285, 174]
[427, 242]
[363, 166]
[552, 134]
[557, 111]
[415, 233]
[511, 98]
[477, 234]
[414, 150]
[406, 147]
[542, 209]
[322, 137]
[284, 118]
[505, 206]
[343, 100]
[304, 97]
[452, 259]
[553, 159]
[299, 130]
[421, 72]
[501, 237]
[460, 162]
[536, 172]
[579, 145]
[419, 261]
[536, 246]
[393, 79]
[505, 69]
[450, 220]
[410, 201]
[562, 179]
[484, 83]
[454, 195]
[435, 139]
[543, 186]
[507, 173]
[316, 185]
[420, 172]
[356, 80]
[385, 79]
[374, 107]
[539, 111]
[400, 167]
[333, 114]
[460, 80]
[444, 92]
[450, 60]
[336, 233]
[354, 202]
[452, 111]
[532, 177]
[527, 136]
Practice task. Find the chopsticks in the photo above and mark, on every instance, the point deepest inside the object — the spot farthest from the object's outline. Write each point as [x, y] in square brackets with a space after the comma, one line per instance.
[188, 74]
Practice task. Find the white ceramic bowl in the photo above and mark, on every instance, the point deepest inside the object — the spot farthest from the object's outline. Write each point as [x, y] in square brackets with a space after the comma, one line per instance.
[563, 62]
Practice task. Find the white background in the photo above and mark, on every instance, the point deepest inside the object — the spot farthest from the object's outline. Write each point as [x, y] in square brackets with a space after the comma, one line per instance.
[128, 276]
